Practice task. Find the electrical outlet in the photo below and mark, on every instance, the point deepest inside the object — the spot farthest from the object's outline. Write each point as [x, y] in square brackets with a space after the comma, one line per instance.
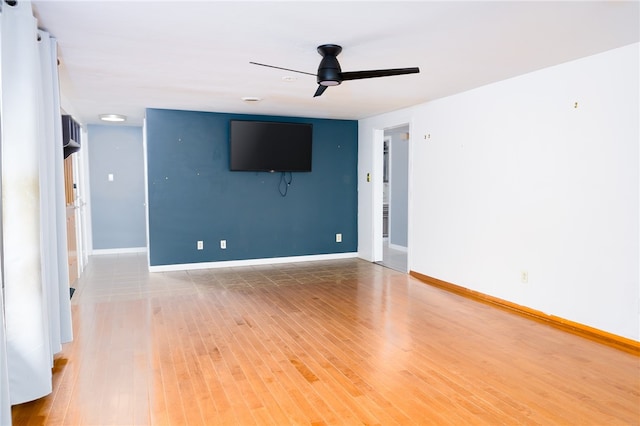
[200, 245]
[223, 244]
[524, 277]
[338, 238]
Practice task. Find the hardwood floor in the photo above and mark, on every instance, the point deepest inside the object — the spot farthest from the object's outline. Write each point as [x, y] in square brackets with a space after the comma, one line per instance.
[320, 343]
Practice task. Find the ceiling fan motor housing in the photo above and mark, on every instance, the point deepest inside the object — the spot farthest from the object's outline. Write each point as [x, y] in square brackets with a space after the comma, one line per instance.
[329, 71]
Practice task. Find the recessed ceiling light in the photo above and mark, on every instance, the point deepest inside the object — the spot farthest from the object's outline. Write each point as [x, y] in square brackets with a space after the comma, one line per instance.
[289, 78]
[113, 117]
[251, 99]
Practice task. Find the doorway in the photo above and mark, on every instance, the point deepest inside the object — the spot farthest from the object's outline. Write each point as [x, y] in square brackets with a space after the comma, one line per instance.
[70, 203]
[395, 198]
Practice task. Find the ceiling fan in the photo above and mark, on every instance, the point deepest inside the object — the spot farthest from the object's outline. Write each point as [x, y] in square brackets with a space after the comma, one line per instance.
[330, 74]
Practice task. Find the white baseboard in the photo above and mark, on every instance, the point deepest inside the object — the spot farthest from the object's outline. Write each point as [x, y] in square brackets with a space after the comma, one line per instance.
[397, 247]
[119, 251]
[250, 262]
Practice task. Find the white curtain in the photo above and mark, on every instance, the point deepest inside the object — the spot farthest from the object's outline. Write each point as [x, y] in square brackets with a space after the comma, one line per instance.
[5, 404]
[52, 199]
[36, 303]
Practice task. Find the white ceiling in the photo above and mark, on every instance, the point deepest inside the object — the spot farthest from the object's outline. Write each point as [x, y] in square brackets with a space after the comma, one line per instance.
[124, 56]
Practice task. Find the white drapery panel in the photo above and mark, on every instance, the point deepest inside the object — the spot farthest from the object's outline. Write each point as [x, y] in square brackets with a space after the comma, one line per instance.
[59, 279]
[36, 304]
[52, 200]
[5, 404]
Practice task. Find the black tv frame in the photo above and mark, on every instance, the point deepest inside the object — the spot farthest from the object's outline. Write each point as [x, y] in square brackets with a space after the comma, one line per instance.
[270, 146]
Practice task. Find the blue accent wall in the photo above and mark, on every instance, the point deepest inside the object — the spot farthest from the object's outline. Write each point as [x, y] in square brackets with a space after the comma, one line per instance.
[194, 196]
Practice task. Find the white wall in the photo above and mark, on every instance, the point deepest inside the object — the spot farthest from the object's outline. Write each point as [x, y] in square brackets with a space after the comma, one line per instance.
[515, 178]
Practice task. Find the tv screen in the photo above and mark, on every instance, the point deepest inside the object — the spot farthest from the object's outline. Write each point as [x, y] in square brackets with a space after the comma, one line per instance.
[270, 146]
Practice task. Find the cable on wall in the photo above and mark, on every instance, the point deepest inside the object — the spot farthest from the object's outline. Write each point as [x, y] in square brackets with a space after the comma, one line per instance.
[283, 186]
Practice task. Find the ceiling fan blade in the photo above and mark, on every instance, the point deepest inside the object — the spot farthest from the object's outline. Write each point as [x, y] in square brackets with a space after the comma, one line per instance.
[356, 75]
[320, 90]
[280, 68]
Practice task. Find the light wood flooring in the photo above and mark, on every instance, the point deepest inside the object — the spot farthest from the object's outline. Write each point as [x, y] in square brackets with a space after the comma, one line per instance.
[341, 342]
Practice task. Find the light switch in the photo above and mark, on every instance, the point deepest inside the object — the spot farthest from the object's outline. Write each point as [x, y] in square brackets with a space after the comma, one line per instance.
[110, 177]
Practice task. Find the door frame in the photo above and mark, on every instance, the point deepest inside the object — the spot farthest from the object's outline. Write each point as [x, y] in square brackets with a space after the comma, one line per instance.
[378, 189]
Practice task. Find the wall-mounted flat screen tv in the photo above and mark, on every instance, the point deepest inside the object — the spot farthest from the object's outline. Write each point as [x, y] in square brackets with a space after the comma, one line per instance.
[267, 146]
